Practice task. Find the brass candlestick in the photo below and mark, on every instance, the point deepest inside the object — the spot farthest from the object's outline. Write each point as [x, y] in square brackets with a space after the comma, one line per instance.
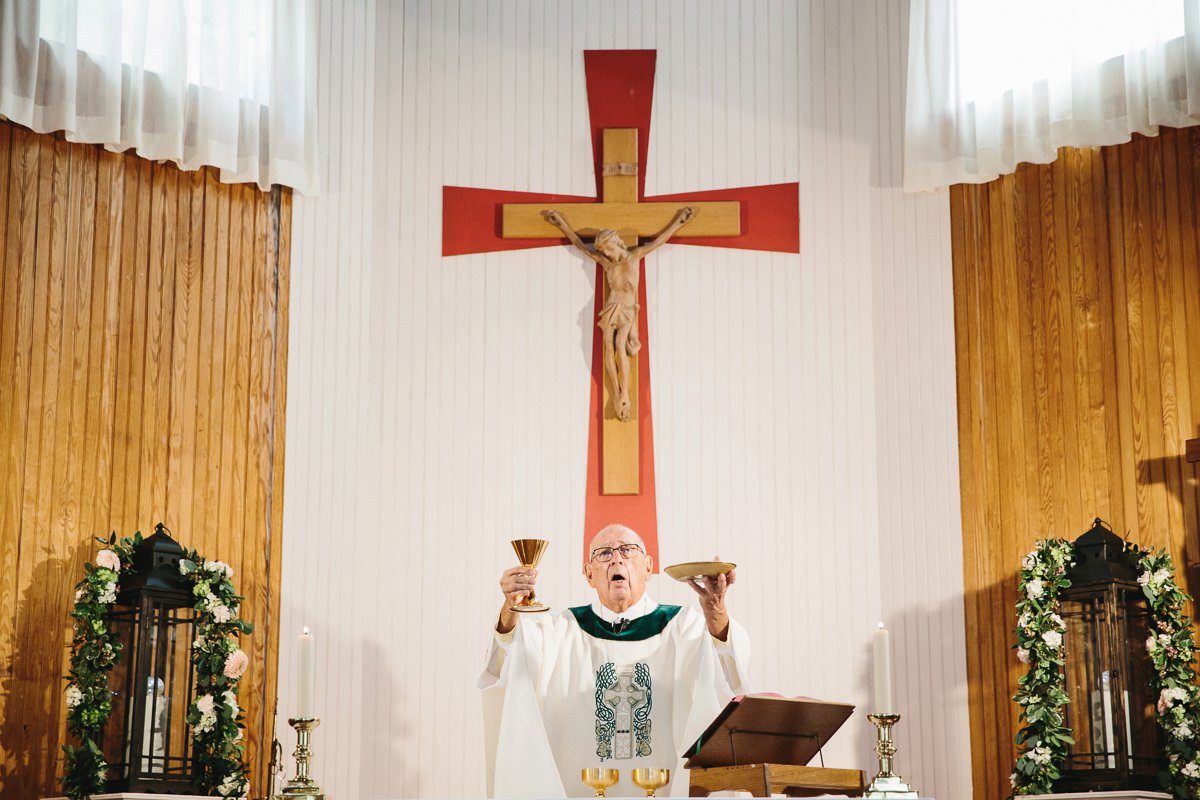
[303, 785]
[887, 784]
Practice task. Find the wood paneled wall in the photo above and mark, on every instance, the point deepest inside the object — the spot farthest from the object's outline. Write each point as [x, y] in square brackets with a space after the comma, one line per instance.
[1077, 316]
[143, 332]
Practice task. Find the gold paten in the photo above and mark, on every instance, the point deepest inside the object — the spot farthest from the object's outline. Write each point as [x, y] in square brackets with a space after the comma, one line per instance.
[600, 778]
[691, 570]
[529, 552]
[651, 778]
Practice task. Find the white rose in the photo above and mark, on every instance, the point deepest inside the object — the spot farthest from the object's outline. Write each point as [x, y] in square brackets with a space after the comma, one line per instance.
[1191, 769]
[1171, 696]
[74, 696]
[1053, 639]
[205, 723]
[1040, 755]
[1022, 655]
[1030, 560]
[1183, 731]
[219, 567]
[220, 612]
[1144, 578]
[206, 703]
[1162, 576]
[230, 787]
[1034, 589]
[1058, 621]
[1152, 644]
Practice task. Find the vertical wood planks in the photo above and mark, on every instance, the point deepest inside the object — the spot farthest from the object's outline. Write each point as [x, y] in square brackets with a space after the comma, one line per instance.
[119, 409]
[1082, 275]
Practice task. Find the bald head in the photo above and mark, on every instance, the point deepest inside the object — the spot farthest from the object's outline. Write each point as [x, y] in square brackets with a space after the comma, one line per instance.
[615, 532]
[619, 582]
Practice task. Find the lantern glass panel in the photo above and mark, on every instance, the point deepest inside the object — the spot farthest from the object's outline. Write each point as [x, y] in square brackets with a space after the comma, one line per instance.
[123, 622]
[1089, 711]
[159, 721]
[1139, 700]
[1107, 671]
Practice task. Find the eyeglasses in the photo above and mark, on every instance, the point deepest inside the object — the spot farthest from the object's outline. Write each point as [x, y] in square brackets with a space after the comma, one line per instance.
[628, 551]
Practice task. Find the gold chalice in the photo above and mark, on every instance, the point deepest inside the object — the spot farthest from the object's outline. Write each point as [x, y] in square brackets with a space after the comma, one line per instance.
[600, 778]
[529, 551]
[651, 779]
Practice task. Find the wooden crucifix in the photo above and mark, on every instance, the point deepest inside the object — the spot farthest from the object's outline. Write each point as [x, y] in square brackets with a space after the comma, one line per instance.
[620, 89]
[621, 212]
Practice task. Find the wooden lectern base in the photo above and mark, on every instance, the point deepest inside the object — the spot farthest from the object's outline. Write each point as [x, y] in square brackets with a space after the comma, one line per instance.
[763, 780]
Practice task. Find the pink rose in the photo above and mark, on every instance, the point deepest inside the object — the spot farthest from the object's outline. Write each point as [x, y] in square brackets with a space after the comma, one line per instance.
[108, 560]
[236, 664]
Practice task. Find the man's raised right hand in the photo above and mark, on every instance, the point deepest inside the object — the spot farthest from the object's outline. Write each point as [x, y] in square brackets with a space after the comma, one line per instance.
[516, 583]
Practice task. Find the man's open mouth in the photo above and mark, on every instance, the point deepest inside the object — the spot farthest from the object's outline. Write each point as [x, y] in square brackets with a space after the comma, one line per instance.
[618, 577]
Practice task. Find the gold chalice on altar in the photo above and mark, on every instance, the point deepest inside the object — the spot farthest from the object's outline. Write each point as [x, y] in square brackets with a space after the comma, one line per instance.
[651, 779]
[600, 778]
[529, 551]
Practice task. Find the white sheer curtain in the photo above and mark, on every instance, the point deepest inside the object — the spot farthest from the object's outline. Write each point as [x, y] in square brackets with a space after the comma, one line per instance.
[224, 83]
[993, 84]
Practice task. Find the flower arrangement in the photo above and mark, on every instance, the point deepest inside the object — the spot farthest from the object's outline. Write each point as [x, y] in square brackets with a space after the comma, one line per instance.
[1043, 737]
[1171, 650]
[214, 714]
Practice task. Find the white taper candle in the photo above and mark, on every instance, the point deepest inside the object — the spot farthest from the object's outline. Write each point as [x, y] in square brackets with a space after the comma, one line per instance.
[304, 677]
[881, 642]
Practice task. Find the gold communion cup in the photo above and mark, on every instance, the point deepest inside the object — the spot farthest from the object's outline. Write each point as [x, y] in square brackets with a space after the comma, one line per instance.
[651, 778]
[600, 778]
[529, 552]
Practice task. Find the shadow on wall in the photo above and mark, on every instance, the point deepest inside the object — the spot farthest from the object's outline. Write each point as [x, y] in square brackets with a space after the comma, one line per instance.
[922, 662]
[993, 716]
[32, 685]
[381, 755]
[1156, 471]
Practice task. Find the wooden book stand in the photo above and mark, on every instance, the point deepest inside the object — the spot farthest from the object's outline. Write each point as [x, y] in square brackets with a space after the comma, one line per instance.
[762, 743]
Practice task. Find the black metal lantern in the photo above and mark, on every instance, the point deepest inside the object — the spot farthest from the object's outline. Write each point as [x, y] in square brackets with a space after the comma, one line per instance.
[148, 743]
[1108, 671]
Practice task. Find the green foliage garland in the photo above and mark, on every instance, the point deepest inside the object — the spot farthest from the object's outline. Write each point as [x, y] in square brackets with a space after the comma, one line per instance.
[1171, 649]
[1043, 738]
[1044, 735]
[214, 714]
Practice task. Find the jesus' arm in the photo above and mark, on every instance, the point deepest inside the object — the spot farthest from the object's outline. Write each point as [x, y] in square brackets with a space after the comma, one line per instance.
[682, 217]
[557, 220]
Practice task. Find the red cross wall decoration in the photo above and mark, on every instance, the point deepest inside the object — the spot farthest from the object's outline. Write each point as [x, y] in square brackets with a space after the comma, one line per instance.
[620, 88]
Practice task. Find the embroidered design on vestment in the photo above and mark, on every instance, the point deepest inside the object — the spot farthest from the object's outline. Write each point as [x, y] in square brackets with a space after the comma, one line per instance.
[606, 678]
[623, 704]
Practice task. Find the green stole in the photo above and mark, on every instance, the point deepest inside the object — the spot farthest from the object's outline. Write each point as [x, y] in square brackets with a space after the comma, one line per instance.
[636, 630]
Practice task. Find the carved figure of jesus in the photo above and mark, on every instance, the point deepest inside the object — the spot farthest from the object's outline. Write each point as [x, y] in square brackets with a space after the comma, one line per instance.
[619, 318]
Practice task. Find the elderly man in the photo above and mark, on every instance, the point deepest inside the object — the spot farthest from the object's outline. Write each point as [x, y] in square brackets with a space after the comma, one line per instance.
[623, 682]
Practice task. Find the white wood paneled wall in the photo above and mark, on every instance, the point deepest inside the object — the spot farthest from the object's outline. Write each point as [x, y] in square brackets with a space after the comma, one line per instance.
[804, 404]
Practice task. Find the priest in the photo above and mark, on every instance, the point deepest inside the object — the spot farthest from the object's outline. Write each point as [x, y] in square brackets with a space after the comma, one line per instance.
[623, 682]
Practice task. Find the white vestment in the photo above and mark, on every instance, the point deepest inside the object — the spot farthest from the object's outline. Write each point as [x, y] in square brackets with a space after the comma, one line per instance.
[590, 688]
